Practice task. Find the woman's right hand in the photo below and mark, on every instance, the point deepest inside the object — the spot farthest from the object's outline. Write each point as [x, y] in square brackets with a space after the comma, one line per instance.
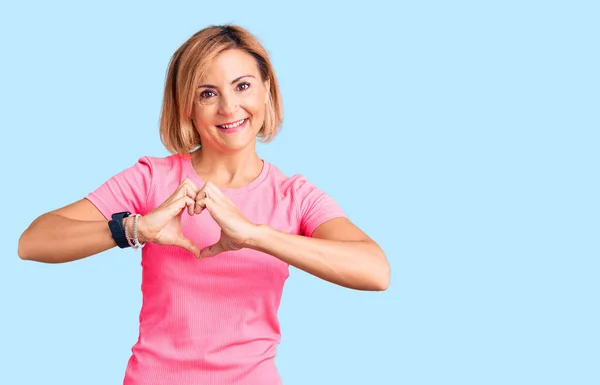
[162, 226]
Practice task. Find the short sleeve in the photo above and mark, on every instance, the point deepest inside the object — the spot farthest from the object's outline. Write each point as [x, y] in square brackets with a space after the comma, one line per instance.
[126, 191]
[316, 207]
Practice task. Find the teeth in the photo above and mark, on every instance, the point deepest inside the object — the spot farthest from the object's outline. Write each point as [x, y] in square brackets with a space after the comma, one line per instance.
[232, 125]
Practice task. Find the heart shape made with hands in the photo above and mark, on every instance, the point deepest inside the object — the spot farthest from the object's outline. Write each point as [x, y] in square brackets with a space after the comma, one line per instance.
[163, 225]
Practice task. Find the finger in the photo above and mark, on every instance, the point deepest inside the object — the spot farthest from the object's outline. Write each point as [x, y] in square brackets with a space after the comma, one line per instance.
[180, 204]
[186, 188]
[218, 200]
[201, 199]
[189, 246]
[214, 192]
[201, 196]
[211, 251]
[201, 204]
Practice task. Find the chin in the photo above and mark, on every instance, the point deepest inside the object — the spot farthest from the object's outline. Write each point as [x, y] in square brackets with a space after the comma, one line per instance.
[238, 143]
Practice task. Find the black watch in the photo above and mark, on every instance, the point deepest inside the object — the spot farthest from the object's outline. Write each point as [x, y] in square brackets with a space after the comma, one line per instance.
[116, 228]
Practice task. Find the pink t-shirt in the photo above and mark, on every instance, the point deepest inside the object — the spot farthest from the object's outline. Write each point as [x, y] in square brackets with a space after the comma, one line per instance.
[211, 321]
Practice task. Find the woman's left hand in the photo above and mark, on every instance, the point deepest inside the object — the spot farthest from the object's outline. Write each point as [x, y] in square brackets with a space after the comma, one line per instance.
[236, 229]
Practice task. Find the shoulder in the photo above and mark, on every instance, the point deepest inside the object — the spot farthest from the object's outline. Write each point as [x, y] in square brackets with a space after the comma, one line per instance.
[312, 205]
[297, 186]
[131, 188]
[288, 185]
[161, 166]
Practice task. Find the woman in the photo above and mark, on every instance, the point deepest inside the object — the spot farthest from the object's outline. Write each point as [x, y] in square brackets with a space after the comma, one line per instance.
[219, 227]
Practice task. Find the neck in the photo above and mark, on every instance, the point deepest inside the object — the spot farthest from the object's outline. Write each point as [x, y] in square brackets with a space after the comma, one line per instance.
[231, 170]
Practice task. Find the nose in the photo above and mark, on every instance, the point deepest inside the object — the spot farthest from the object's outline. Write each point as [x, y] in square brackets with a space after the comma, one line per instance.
[228, 104]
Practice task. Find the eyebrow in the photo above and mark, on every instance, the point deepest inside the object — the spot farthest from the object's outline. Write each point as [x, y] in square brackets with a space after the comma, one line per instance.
[234, 81]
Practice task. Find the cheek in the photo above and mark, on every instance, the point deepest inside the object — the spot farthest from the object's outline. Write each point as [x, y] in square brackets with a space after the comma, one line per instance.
[255, 104]
[204, 115]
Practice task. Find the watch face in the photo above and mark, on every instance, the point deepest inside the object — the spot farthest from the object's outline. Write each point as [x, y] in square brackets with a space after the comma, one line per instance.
[122, 214]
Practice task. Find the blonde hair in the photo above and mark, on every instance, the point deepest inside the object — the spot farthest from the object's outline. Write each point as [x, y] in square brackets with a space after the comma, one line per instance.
[187, 66]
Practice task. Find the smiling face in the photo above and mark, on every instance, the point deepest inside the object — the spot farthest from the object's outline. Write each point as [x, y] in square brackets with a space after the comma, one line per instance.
[229, 108]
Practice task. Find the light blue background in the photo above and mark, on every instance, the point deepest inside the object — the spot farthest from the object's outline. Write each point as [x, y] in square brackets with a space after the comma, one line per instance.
[462, 136]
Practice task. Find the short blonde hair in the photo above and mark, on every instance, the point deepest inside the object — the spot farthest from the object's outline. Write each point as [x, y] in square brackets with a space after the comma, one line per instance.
[187, 66]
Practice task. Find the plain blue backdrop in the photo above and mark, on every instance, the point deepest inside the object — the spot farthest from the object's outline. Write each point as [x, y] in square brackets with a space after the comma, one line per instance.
[462, 136]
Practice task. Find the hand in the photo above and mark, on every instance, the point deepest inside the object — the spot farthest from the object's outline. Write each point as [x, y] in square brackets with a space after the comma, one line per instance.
[236, 229]
[162, 226]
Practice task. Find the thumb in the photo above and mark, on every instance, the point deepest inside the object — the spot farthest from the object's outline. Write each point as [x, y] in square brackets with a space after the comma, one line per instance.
[189, 246]
[211, 251]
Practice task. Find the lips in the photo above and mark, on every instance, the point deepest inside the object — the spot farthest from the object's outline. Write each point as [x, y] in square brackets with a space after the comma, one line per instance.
[231, 125]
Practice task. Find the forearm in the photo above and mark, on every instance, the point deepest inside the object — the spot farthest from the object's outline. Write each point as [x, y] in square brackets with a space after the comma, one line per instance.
[357, 265]
[56, 239]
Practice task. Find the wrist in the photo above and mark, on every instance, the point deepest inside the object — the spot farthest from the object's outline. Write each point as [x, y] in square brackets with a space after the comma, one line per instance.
[258, 236]
[140, 228]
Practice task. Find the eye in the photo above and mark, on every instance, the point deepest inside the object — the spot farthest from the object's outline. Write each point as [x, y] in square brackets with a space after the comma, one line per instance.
[207, 94]
[243, 86]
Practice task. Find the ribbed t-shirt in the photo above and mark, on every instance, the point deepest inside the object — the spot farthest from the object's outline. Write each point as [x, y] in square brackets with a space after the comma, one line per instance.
[211, 321]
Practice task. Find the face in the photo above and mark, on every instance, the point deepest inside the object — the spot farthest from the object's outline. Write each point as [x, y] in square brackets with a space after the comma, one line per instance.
[229, 108]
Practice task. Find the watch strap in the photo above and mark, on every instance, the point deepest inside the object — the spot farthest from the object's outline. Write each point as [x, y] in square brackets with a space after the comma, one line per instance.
[116, 228]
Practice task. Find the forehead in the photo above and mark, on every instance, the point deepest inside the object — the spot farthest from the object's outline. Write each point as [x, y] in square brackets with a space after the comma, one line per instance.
[229, 65]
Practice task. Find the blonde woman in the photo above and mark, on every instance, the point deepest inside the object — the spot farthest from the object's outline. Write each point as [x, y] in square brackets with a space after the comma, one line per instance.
[218, 227]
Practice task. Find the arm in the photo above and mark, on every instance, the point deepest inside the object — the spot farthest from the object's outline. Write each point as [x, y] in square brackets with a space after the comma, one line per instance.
[70, 233]
[81, 230]
[337, 251]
